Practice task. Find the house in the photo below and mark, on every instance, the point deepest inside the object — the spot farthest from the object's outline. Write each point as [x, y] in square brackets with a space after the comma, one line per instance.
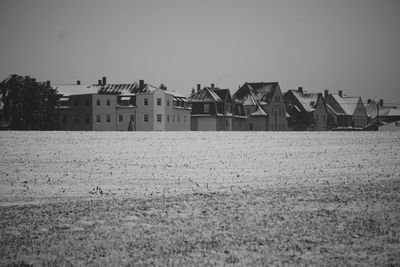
[381, 117]
[307, 111]
[346, 113]
[264, 106]
[211, 109]
[3, 122]
[121, 107]
[392, 126]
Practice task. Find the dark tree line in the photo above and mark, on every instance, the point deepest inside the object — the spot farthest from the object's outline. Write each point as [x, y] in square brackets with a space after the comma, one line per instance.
[28, 104]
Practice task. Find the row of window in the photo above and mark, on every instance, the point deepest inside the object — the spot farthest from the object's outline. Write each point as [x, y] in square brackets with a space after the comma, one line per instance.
[160, 118]
[358, 121]
[98, 119]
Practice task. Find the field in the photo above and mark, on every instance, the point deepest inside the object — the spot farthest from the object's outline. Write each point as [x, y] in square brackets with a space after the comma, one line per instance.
[199, 198]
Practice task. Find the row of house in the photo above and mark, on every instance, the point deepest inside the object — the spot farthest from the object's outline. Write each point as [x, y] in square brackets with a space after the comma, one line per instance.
[255, 106]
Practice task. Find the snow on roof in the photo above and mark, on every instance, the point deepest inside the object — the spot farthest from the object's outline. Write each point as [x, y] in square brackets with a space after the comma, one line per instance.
[393, 112]
[307, 100]
[206, 94]
[371, 110]
[259, 111]
[74, 89]
[262, 92]
[347, 103]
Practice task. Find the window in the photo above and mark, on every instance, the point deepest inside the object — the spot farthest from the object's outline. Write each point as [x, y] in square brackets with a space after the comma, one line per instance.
[158, 101]
[179, 118]
[206, 108]
[108, 102]
[98, 102]
[159, 117]
[108, 118]
[77, 119]
[64, 119]
[173, 118]
[167, 118]
[146, 102]
[120, 118]
[131, 117]
[76, 102]
[86, 102]
[250, 126]
[316, 118]
[184, 119]
[168, 102]
[87, 119]
[247, 111]
[98, 118]
[226, 123]
[146, 118]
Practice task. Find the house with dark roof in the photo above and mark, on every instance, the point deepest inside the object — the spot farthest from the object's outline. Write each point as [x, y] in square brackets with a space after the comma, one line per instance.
[307, 111]
[211, 109]
[263, 105]
[122, 107]
[347, 113]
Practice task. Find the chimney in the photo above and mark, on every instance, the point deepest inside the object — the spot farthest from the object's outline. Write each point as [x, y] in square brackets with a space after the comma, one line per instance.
[99, 82]
[78, 82]
[340, 93]
[300, 89]
[326, 93]
[198, 87]
[212, 86]
[141, 84]
[381, 102]
[369, 101]
[104, 80]
[48, 83]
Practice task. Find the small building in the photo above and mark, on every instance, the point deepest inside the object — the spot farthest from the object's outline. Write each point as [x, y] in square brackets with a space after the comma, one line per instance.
[307, 111]
[3, 122]
[263, 105]
[122, 107]
[392, 126]
[346, 113]
[381, 117]
[211, 109]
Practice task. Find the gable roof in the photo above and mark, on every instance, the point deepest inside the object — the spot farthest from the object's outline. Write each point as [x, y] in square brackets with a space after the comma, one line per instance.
[207, 94]
[308, 101]
[348, 104]
[74, 89]
[261, 91]
[224, 94]
[372, 110]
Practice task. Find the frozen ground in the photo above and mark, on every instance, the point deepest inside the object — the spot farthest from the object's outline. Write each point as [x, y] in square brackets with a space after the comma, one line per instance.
[87, 198]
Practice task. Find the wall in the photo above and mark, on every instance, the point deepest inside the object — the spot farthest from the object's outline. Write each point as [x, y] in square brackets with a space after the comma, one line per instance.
[207, 123]
[80, 107]
[159, 126]
[103, 110]
[320, 116]
[277, 112]
[360, 117]
[126, 112]
[142, 110]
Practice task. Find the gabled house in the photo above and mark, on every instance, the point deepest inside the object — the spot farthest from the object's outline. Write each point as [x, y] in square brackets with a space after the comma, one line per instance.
[382, 117]
[307, 111]
[122, 107]
[211, 109]
[347, 113]
[264, 106]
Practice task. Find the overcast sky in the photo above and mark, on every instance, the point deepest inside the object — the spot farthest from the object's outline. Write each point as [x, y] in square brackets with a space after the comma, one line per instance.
[351, 45]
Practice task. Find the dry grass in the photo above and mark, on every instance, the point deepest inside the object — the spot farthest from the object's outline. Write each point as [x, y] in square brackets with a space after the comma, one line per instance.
[322, 225]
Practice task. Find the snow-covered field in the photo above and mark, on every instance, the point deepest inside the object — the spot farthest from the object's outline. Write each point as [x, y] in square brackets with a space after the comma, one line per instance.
[334, 196]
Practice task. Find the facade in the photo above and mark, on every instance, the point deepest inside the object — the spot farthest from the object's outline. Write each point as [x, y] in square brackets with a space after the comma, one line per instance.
[3, 123]
[307, 111]
[121, 107]
[211, 109]
[263, 105]
[346, 113]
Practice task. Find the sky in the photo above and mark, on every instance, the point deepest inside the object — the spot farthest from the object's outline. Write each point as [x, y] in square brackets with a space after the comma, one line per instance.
[349, 45]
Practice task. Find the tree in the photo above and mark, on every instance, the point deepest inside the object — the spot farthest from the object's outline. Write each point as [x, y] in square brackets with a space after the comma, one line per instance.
[29, 105]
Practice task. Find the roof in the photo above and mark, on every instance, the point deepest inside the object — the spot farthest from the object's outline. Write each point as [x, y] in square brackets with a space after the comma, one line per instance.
[259, 111]
[347, 103]
[74, 89]
[307, 100]
[206, 94]
[224, 94]
[262, 91]
[117, 88]
[372, 110]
